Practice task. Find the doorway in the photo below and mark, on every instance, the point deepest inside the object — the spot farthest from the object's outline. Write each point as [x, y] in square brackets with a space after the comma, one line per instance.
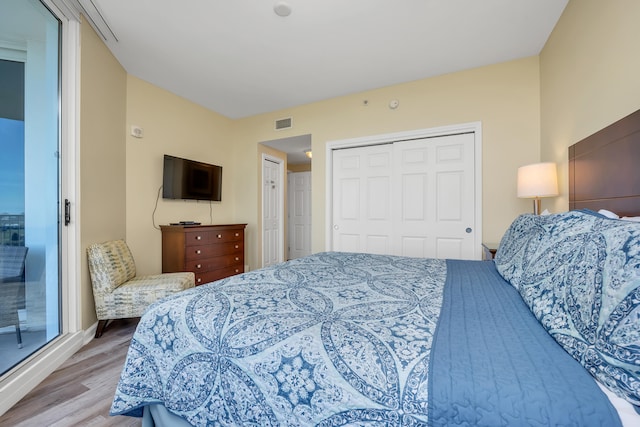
[297, 151]
[30, 236]
[45, 36]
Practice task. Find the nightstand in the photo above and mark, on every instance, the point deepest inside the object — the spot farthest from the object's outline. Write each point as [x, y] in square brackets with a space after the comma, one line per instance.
[489, 251]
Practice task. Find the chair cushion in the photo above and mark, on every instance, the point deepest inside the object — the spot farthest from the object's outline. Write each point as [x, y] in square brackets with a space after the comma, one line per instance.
[132, 298]
[12, 262]
[110, 265]
[12, 259]
[9, 294]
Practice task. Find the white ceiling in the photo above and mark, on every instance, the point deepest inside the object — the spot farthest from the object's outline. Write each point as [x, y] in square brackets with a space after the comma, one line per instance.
[239, 58]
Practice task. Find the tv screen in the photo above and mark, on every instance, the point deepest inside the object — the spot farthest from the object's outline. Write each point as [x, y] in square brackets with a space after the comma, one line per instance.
[188, 179]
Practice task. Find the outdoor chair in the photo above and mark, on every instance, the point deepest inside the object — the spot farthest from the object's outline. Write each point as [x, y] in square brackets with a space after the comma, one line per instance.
[12, 260]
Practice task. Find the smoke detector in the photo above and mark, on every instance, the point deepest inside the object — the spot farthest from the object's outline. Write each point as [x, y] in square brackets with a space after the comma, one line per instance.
[282, 8]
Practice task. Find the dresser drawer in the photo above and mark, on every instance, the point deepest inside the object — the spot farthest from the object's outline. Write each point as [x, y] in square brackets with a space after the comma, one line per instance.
[215, 263]
[211, 276]
[200, 252]
[209, 237]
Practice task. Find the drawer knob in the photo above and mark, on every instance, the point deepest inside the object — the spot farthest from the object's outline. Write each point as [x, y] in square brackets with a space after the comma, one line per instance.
[237, 259]
[198, 237]
[237, 271]
[199, 266]
[237, 246]
[237, 234]
[219, 236]
[198, 251]
[199, 280]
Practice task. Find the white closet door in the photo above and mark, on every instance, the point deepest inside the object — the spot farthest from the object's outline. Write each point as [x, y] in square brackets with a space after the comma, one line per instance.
[413, 198]
[362, 179]
[299, 190]
[434, 195]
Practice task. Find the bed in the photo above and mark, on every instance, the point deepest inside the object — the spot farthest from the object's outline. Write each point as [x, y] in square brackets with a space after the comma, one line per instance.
[547, 334]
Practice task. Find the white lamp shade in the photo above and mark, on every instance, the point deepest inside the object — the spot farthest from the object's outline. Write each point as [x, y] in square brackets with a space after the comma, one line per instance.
[537, 180]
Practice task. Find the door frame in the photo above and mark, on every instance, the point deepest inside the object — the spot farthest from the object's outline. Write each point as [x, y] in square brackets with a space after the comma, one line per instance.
[280, 163]
[28, 374]
[471, 127]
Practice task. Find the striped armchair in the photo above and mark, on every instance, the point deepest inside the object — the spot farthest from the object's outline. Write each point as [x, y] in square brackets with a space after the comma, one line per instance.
[118, 292]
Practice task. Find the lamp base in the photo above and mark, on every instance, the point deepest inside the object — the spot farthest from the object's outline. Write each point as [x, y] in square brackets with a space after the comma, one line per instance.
[536, 206]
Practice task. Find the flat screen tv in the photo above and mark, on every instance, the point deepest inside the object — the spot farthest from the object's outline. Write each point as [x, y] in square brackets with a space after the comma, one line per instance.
[188, 179]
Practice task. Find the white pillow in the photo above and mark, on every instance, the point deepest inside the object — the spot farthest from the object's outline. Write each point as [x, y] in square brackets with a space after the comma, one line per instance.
[631, 218]
[608, 214]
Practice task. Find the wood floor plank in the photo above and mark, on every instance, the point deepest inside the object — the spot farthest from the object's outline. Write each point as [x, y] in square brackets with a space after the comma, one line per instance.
[79, 393]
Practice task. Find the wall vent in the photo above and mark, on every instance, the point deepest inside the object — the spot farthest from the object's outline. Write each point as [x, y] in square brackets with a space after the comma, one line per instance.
[285, 123]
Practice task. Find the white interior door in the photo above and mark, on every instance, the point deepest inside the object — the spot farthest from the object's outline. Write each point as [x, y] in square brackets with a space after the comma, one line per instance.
[412, 198]
[271, 212]
[299, 190]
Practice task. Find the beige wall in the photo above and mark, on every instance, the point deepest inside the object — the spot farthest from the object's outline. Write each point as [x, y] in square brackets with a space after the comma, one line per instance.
[530, 109]
[504, 97]
[175, 126]
[102, 155]
[590, 76]
[302, 167]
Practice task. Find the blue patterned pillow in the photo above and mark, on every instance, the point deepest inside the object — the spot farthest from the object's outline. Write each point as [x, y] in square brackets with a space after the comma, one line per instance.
[579, 273]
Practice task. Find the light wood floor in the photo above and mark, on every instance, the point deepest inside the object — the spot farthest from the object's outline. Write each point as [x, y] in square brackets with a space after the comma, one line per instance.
[79, 393]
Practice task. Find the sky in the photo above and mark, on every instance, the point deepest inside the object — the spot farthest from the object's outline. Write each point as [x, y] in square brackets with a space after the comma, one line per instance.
[11, 166]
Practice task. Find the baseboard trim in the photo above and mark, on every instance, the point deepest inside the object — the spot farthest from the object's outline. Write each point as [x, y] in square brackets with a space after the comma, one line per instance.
[90, 334]
[27, 376]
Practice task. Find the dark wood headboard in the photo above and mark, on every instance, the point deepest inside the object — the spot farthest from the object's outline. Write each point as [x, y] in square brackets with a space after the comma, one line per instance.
[604, 169]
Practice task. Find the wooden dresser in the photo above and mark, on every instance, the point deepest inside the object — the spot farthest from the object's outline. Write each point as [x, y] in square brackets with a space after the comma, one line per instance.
[212, 252]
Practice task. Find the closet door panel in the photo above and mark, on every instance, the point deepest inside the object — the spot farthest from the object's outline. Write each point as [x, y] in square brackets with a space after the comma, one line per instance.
[454, 223]
[362, 180]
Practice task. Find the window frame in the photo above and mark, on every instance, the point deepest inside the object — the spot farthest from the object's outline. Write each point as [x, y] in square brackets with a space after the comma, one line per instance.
[24, 377]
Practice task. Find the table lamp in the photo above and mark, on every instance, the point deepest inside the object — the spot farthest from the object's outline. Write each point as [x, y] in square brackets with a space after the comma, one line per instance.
[537, 180]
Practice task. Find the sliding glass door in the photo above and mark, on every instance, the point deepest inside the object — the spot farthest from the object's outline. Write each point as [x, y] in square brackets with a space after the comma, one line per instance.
[30, 227]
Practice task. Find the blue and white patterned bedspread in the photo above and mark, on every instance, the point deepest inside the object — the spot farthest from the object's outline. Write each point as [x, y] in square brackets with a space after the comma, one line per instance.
[341, 339]
[320, 340]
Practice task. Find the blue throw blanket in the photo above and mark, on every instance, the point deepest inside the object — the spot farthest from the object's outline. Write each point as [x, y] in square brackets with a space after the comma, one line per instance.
[492, 363]
[341, 339]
